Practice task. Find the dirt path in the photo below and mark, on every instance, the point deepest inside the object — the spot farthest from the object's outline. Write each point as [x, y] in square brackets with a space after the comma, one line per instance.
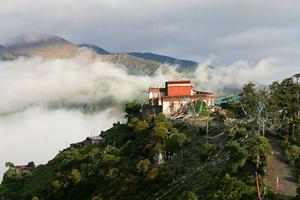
[277, 167]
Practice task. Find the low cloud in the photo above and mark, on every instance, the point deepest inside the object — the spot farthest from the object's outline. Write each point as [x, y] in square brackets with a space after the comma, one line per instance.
[265, 71]
[37, 81]
[37, 134]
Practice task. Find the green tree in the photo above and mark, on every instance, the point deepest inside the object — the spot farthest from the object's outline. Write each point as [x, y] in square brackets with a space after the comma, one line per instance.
[31, 164]
[160, 130]
[56, 184]
[174, 142]
[284, 102]
[143, 165]
[292, 154]
[188, 195]
[132, 109]
[10, 173]
[230, 188]
[137, 125]
[255, 104]
[249, 99]
[259, 148]
[76, 176]
[98, 197]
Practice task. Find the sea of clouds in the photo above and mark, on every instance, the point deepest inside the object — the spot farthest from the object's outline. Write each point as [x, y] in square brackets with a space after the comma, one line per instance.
[31, 131]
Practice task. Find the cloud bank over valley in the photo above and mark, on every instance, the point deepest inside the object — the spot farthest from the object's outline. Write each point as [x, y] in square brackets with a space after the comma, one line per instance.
[42, 82]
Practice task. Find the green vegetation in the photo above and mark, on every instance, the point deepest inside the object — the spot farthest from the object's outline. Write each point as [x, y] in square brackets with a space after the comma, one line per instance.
[201, 109]
[273, 111]
[152, 157]
[145, 158]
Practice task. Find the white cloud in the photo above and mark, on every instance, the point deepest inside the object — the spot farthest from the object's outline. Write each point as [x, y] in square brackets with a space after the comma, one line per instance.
[37, 81]
[37, 134]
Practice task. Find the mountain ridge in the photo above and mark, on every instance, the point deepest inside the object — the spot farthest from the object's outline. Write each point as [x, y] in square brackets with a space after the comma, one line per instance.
[52, 46]
[165, 59]
[48, 46]
[5, 54]
[95, 48]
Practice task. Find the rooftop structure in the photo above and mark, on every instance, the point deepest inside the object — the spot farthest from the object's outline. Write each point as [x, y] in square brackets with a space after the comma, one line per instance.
[89, 141]
[23, 169]
[175, 96]
[94, 140]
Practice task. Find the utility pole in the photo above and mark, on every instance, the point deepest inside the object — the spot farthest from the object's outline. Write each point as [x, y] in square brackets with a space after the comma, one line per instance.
[266, 184]
[257, 185]
[207, 130]
[297, 76]
[263, 126]
[287, 131]
[277, 187]
[293, 133]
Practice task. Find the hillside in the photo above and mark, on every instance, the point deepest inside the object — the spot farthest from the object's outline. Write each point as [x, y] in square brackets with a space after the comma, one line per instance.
[5, 54]
[147, 158]
[134, 65]
[51, 46]
[47, 46]
[191, 65]
[95, 48]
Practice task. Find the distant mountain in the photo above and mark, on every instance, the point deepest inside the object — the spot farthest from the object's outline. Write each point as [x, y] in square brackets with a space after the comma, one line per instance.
[95, 48]
[52, 46]
[48, 46]
[165, 59]
[5, 54]
[134, 65]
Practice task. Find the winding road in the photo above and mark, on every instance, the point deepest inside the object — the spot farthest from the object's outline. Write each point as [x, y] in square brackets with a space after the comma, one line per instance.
[278, 167]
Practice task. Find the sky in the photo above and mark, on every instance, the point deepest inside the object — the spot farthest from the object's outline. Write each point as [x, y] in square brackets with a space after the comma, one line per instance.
[245, 41]
[190, 29]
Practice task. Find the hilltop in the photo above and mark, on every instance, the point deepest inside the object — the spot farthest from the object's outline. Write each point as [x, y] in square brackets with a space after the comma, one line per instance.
[48, 46]
[52, 46]
[148, 157]
[185, 64]
[95, 48]
[5, 54]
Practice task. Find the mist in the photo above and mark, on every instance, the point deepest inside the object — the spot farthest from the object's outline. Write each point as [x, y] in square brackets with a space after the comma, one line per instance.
[37, 134]
[39, 81]
[31, 131]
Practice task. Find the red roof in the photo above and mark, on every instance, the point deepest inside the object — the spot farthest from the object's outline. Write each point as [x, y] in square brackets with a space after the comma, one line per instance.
[179, 81]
